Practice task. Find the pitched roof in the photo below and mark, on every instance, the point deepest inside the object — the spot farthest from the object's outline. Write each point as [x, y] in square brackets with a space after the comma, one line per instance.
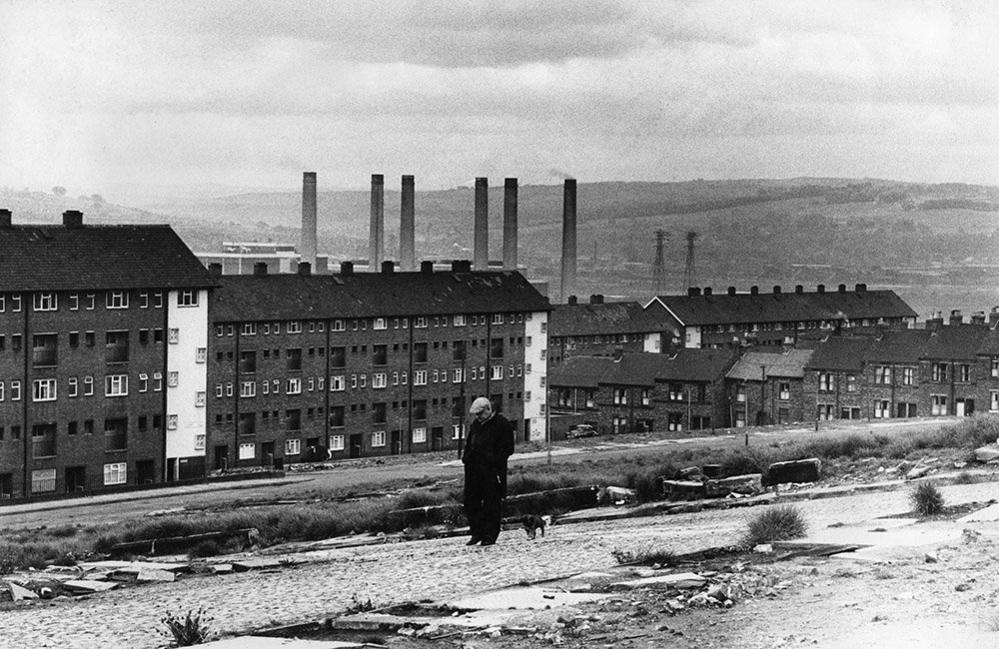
[697, 310]
[594, 319]
[57, 258]
[989, 344]
[844, 354]
[580, 371]
[955, 341]
[753, 366]
[902, 346]
[294, 296]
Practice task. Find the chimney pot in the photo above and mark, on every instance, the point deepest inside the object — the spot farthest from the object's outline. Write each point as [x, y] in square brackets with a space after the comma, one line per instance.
[260, 268]
[821, 288]
[707, 290]
[72, 218]
[5, 218]
[777, 289]
[842, 288]
[427, 267]
[304, 268]
[754, 290]
[860, 288]
[461, 266]
[572, 301]
[693, 291]
[978, 317]
[215, 269]
[388, 266]
[346, 268]
[731, 290]
[799, 289]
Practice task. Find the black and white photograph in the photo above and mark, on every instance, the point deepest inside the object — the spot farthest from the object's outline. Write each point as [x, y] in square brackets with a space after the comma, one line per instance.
[499, 324]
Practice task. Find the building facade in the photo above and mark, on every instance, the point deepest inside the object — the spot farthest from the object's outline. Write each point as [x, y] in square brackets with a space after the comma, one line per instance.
[102, 357]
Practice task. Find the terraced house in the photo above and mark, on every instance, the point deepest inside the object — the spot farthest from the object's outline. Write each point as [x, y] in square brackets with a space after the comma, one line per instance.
[307, 366]
[103, 344]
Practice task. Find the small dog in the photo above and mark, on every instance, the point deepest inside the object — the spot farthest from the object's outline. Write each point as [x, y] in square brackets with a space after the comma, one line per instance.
[532, 523]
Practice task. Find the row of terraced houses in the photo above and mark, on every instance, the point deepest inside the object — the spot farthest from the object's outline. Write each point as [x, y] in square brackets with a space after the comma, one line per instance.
[124, 361]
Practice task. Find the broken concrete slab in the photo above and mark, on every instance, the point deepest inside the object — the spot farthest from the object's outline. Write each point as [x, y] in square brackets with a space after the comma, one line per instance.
[87, 586]
[804, 470]
[524, 597]
[222, 568]
[749, 484]
[684, 489]
[155, 575]
[256, 564]
[674, 580]
[988, 514]
[263, 642]
[19, 593]
[130, 566]
[917, 472]
[378, 622]
[987, 453]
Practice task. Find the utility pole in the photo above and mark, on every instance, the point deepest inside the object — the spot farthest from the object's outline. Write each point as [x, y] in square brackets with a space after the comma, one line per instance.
[689, 276]
[659, 265]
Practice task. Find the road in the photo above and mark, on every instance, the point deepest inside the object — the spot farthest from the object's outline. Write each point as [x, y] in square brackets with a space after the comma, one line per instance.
[369, 473]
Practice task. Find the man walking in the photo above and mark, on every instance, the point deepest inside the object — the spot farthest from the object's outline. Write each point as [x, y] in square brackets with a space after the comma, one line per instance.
[487, 447]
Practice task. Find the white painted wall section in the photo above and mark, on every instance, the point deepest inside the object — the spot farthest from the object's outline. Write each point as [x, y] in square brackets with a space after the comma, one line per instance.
[536, 355]
[187, 332]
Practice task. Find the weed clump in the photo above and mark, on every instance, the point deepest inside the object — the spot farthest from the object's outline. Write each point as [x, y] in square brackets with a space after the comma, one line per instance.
[648, 555]
[189, 630]
[927, 499]
[779, 523]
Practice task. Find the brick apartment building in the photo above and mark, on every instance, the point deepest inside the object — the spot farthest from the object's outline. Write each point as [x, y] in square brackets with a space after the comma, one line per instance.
[638, 392]
[305, 366]
[597, 328]
[705, 319]
[102, 357]
[768, 387]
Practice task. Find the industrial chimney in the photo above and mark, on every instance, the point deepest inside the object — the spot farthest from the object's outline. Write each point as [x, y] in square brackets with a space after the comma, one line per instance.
[407, 226]
[308, 239]
[376, 237]
[510, 224]
[480, 252]
[569, 238]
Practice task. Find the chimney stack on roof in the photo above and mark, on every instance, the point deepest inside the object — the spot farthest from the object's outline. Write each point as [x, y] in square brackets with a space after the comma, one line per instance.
[731, 290]
[407, 225]
[304, 268]
[821, 288]
[842, 288]
[215, 269]
[427, 267]
[260, 268]
[978, 318]
[693, 291]
[376, 230]
[572, 300]
[5, 218]
[708, 290]
[799, 289]
[388, 267]
[461, 266]
[480, 225]
[569, 237]
[754, 290]
[597, 299]
[346, 268]
[308, 238]
[994, 316]
[510, 224]
[860, 288]
[777, 289]
[956, 317]
[72, 219]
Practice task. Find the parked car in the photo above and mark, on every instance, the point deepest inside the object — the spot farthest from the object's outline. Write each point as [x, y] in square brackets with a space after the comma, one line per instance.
[582, 430]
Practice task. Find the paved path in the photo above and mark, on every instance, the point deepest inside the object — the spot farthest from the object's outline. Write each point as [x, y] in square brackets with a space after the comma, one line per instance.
[439, 569]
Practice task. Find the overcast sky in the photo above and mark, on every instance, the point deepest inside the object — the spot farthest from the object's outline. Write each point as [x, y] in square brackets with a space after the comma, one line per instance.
[250, 93]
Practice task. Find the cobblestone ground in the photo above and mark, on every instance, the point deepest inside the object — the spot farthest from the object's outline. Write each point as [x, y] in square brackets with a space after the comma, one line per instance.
[397, 572]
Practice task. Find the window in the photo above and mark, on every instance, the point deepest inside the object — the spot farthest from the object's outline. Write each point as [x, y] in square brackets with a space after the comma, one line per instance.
[908, 374]
[378, 438]
[419, 352]
[144, 383]
[228, 389]
[45, 301]
[247, 450]
[115, 473]
[71, 387]
[827, 382]
[248, 389]
[939, 372]
[458, 321]
[171, 423]
[379, 412]
[199, 399]
[496, 348]
[646, 397]
[248, 361]
[292, 446]
[173, 336]
[882, 375]
[620, 396]
[338, 356]
[187, 297]
[294, 359]
[496, 373]
[905, 410]
[420, 322]
[249, 329]
[419, 435]
[379, 380]
[964, 373]
[116, 347]
[379, 354]
[15, 303]
[336, 442]
[295, 327]
[420, 377]
[456, 375]
[158, 381]
[994, 363]
[337, 416]
[337, 325]
[497, 318]
[824, 411]
[294, 386]
[337, 383]
[675, 392]
[994, 400]
[248, 423]
[43, 480]
[784, 390]
[882, 409]
[74, 302]
[117, 299]
[43, 440]
[116, 434]
[45, 350]
[379, 323]
[938, 404]
[293, 419]
[420, 409]
[116, 385]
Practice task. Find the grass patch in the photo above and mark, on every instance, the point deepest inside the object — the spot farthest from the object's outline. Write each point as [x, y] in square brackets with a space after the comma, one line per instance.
[926, 499]
[779, 523]
[648, 555]
[192, 629]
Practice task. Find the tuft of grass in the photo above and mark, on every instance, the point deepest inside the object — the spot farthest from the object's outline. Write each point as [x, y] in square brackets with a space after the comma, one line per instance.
[192, 629]
[964, 477]
[646, 556]
[779, 523]
[927, 499]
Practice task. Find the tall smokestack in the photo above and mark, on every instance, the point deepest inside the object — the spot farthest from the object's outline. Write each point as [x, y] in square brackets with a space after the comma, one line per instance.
[376, 240]
[569, 238]
[481, 225]
[510, 224]
[407, 226]
[308, 240]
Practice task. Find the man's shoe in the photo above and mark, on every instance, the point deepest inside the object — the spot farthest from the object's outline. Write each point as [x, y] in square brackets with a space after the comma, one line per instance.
[474, 540]
[488, 541]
